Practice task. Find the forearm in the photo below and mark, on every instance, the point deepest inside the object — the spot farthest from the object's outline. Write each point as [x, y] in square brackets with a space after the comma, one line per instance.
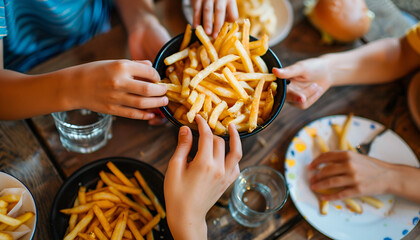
[405, 181]
[134, 12]
[377, 62]
[23, 96]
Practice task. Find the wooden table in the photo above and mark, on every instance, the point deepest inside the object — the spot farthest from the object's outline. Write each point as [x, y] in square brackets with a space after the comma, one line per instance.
[30, 149]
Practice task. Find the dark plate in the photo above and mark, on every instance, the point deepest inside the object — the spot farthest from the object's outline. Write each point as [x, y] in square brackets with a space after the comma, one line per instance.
[88, 176]
[269, 58]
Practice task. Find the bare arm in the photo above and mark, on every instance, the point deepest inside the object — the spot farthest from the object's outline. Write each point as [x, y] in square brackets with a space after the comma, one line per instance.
[377, 62]
[405, 182]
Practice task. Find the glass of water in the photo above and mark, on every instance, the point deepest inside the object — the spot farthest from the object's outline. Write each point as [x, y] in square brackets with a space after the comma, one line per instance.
[258, 192]
[82, 130]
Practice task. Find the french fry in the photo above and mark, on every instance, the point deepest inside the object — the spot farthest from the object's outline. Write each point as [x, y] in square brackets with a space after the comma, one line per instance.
[80, 226]
[321, 143]
[216, 113]
[120, 227]
[10, 198]
[221, 36]
[268, 107]
[372, 201]
[133, 228]
[211, 68]
[245, 35]
[148, 227]
[196, 107]
[234, 111]
[235, 84]
[353, 205]
[255, 76]
[187, 38]
[3, 204]
[259, 62]
[246, 60]
[204, 39]
[337, 129]
[323, 207]
[99, 234]
[86, 207]
[253, 116]
[176, 57]
[150, 194]
[9, 220]
[123, 188]
[149, 236]
[134, 205]
[5, 236]
[343, 135]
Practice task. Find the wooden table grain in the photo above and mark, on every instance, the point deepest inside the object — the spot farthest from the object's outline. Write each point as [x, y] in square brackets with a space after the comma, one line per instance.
[31, 149]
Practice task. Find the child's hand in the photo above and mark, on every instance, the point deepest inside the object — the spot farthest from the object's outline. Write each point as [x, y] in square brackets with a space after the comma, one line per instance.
[221, 9]
[355, 174]
[122, 87]
[309, 79]
[147, 38]
[191, 189]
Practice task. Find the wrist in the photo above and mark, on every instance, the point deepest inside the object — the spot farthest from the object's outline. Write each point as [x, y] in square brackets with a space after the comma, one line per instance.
[393, 180]
[187, 227]
[68, 89]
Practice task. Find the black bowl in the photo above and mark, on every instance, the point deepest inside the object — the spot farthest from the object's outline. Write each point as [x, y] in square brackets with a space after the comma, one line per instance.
[88, 176]
[270, 59]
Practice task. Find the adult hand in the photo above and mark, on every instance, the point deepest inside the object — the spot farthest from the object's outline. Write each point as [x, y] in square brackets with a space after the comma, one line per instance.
[352, 173]
[221, 9]
[147, 38]
[191, 189]
[118, 87]
[309, 79]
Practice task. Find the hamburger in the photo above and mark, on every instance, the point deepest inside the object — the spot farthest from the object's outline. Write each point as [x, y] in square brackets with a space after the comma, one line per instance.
[339, 20]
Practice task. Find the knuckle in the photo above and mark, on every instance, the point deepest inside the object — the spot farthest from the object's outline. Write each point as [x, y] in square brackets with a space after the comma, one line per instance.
[120, 65]
[146, 89]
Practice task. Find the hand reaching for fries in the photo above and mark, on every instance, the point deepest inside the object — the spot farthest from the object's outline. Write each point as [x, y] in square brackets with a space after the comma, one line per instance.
[191, 189]
[309, 79]
[213, 13]
[356, 175]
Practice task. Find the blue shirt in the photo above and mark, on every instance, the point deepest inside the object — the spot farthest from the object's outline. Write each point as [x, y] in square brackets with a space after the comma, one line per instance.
[34, 30]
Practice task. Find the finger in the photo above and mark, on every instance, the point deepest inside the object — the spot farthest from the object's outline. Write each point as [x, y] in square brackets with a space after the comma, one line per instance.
[128, 112]
[197, 9]
[329, 170]
[333, 182]
[208, 16]
[235, 152]
[294, 97]
[136, 101]
[144, 71]
[287, 72]
[205, 141]
[178, 161]
[333, 156]
[147, 62]
[304, 97]
[343, 194]
[232, 11]
[219, 16]
[142, 88]
[219, 151]
[313, 97]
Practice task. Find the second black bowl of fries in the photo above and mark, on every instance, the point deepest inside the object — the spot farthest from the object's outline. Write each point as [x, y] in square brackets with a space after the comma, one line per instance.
[110, 198]
[225, 80]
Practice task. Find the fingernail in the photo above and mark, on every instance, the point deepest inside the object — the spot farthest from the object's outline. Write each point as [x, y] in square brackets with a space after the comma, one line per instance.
[165, 101]
[182, 132]
[208, 30]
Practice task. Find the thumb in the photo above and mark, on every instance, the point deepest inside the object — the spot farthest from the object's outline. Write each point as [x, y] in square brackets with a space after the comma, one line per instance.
[179, 159]
[287, 72]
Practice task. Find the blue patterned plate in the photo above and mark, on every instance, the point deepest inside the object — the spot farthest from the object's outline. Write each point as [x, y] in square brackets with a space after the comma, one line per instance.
[393, 221]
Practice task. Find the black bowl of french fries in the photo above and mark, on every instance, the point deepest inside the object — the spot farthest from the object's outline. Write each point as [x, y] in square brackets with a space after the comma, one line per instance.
[111, 197]
[225, 80]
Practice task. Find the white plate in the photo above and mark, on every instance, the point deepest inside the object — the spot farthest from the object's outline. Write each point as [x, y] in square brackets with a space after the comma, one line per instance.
[393, 221]
[282, 8]
[414, 99]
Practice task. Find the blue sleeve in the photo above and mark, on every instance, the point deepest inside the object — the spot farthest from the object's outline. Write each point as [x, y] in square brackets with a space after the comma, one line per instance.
[3, 27]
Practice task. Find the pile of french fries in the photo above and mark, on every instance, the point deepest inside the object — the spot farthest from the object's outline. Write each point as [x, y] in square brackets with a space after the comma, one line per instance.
[118, 208]
[344, 145]
[10, 224]
[261, 14]
[225, 80]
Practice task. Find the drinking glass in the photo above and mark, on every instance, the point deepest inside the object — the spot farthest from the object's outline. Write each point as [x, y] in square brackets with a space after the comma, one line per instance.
[258, 192]
[82, 130]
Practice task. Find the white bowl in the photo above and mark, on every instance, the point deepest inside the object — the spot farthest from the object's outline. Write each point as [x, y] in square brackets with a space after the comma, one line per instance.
[28, 202]
[282, 8]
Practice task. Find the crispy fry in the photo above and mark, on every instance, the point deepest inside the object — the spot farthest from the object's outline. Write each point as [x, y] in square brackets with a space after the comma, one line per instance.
[10, 198]
[123, 188]
[187, 38]
[99, 234]
[235, 84]
[134, 205]
[344, 132]
[353, 205]
[86, 207]
[216, 113]
[253, 116]
[5, 236]
[255, 76]
[221, 36]
[148, 227]
[204, 39]
[133, 228]
[121, 225]
[196, 107]
[3, 204]
[176, 57]
[372, 201]
[323, 207]
[9, 220]
[80, 226]
[244, 57]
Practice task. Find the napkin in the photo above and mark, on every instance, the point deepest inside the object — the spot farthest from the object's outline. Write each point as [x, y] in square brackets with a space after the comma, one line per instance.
[24, 205]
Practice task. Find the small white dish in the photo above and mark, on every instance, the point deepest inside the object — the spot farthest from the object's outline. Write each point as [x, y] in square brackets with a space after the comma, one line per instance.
[11, 185]
[393, 221]
[282, 8]
[414, 99]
